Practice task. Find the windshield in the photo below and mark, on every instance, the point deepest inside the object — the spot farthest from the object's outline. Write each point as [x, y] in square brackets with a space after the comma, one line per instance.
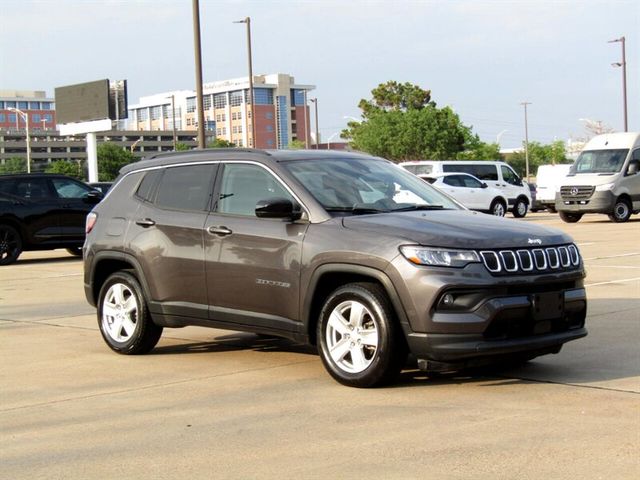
[599, 161]
[357, 186]
[419, 169]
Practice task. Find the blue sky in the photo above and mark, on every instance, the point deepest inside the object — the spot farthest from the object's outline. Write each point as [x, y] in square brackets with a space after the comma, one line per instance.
[482, 58]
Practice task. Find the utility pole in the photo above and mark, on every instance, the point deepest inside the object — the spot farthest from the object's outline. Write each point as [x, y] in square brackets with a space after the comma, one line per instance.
[315, 104]
[526, 138]
[247, 20]
[623, 64]
[198, 55]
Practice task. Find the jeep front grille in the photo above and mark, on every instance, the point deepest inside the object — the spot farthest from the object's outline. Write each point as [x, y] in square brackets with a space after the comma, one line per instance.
[570, 192]
[531, 260]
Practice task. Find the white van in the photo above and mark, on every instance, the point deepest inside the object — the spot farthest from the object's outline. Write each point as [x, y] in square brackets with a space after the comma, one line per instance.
[603, 179]
[548, 180]
[495, 174]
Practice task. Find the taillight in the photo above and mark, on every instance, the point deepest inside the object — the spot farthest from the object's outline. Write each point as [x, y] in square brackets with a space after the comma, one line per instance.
[90, 222]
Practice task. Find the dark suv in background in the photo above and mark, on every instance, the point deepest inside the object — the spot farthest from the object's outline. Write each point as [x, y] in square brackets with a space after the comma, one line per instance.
[344, 251]
[42, 212]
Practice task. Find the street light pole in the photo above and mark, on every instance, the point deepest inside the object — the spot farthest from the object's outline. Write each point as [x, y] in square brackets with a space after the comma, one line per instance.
[247, 20]
[526, 138]
[623, 64]
[25, 117]
[198, 58]
[173, 122]
[307, 117]
[315, 104]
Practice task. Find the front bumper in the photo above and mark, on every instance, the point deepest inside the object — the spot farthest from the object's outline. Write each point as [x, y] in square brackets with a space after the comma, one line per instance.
[599, 202]
[513, 325]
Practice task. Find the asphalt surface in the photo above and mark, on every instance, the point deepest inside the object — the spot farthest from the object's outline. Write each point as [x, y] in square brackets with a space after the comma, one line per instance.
[217, 404]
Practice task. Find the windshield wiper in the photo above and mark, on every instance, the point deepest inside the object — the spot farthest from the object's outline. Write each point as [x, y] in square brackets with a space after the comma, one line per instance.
[356, 209]
[418, 207]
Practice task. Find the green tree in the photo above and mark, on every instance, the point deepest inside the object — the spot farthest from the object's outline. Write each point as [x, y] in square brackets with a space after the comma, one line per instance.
[181, 147]
[539, 154]
[401, 122]
[111, 158]
[296, 145]
[14, 165]
[66, 167]
[221, 143]
[475, 149]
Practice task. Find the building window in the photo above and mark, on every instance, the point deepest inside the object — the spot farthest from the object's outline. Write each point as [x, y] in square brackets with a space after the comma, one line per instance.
[34, 105]
[46, 106]
[10, 104]
[269, 128]
[270, 142]
[297, 97]
[239, 128]
[239, 142]
[207, 102]
[220, 100]
[142, 114]
[268, 115]
[48, 117]
[236, 98]
[12, 118]
[191, 104]
[1, 105]
[263, 96]
[156, 113]
[233, 116]
[2, 117]
[35, 117]
[23, 105]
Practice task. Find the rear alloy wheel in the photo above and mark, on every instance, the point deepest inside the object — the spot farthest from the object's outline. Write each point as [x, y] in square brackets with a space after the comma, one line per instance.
[621, 211]
[498, 208]
[360, 342]
[123, 316]
[570, 217]
[10, 245]
[520, 208]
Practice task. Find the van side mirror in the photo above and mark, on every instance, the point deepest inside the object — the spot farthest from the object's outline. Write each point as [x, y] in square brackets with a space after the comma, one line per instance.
[634, 167]
[278, 208]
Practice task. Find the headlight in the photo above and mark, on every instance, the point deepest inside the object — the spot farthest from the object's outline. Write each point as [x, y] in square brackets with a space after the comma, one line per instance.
[605, 187]
[439, 257]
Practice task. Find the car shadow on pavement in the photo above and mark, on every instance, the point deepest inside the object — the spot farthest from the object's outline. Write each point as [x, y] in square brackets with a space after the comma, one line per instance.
[238, 341]
[64, 258]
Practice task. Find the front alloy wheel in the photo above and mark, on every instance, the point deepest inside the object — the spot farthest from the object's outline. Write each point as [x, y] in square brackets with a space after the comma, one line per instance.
[360, 342]
[520, 208]
[498, 208]
[621, 211]
[123, 317]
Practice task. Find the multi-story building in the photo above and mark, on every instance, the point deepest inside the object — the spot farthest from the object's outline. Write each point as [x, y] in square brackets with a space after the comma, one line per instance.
[280, 111]
[39, 109]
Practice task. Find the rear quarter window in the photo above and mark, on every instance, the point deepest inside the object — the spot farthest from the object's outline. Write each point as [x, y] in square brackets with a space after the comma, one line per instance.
[185, 188]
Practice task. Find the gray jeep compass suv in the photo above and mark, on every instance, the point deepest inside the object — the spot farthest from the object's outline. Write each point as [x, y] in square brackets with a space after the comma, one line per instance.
[344, 251]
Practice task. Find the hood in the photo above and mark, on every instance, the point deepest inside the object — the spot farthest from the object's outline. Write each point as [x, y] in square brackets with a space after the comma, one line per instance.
[589, 179]
[458, 229]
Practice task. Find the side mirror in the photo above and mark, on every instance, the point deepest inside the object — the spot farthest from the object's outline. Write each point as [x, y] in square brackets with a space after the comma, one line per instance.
[278, 208]
[484, 185]
[94, 196]
[634, 167]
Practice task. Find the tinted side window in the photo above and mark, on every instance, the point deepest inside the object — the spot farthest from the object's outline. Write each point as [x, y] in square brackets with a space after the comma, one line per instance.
[66, 188]
[146, 187]
[453, 180]
[185, 188]
[470, 182]
[32, 188]
[509, 175]
[244, 185]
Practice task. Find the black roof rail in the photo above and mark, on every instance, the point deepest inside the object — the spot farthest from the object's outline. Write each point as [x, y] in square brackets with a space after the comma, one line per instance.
[203, 151]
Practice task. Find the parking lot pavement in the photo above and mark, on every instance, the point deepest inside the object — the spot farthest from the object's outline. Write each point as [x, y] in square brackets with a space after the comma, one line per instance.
[219, 404]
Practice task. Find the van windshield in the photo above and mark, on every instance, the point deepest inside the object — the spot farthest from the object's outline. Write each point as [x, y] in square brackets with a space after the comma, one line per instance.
[600, 161]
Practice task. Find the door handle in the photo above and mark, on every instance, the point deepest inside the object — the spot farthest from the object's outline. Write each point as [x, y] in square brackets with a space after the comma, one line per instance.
[221, 231]
[145, 222]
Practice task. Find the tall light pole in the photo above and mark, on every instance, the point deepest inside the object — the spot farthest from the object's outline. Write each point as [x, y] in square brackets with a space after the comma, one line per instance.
[247, 20]
[173, 121]
[499, 136]
[25, 117]
[526, 138]
[307, 118]
[315, 105]
[623, 64]
[198, 55]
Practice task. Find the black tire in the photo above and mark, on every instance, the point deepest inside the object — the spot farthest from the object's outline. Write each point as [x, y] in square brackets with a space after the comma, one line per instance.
[75, 251]
[355, 360]
[10, 245]
[621, 211]
[123, 316]
[570, 217]
[498, 207]
[520, 208]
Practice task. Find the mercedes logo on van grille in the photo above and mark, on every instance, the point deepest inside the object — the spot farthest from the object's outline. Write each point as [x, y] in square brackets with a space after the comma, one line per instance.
[574, 191]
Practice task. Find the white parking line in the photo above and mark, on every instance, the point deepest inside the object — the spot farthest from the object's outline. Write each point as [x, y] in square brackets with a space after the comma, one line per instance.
[613, 281]
[614, 256]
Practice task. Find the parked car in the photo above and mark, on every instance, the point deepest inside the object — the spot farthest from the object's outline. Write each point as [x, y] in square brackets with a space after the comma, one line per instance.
[102, 187]
[495, 174]
[548, 179]
[341, 250]
[605, 178]
[42, 212]
[470, 192]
